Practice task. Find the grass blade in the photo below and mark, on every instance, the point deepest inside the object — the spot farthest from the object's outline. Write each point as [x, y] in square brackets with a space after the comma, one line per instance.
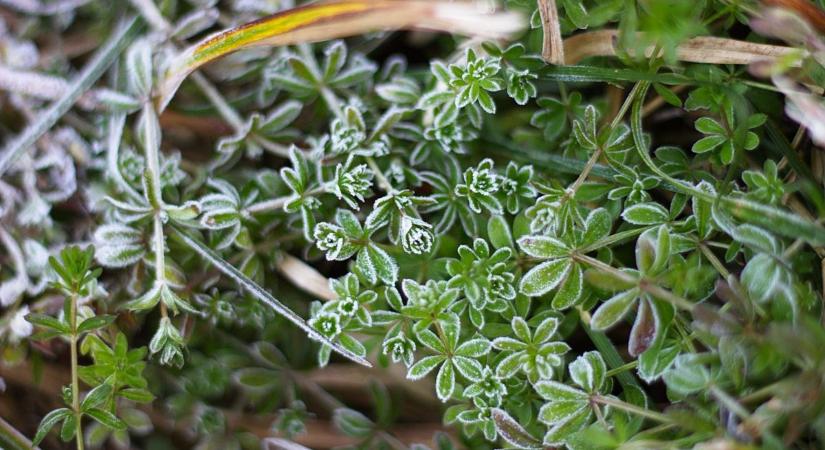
[336, 19]
[262, 295]
[91, 73]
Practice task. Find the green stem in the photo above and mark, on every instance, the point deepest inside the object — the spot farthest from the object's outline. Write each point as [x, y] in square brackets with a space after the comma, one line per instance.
[729, 402]
[153, 171]
[279, 202]
[382, 180]
[633, 409]
[614, 239]
[623, 368]
[643, 283]
[75, 380]
[714, 261]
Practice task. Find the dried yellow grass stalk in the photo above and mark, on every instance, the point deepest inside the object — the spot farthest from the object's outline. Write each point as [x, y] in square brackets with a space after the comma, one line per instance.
[704, 49]
[552, 46]
[336, 19]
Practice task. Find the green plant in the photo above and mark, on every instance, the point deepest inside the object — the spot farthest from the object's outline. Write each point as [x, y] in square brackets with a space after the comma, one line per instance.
[614, 252]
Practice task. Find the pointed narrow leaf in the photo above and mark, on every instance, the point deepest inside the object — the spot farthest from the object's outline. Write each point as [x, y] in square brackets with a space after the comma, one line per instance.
[106, 418]
[49, 421]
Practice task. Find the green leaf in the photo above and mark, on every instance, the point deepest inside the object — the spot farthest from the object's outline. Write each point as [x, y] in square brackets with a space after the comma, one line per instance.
[445, 382]
[596, 226]
[709, 126]
[668, 95]
[687, 376]
[571, 289]
[96, 397]
[49, 322]
[708, 143]
[352, 423]
[256, 377]
[499, 231]
[512, 432]
[645, 214]
[555, 412]
[589, 371]
[474, 348]
[555, 391]
[558, 434]
[421, 368]
[69, 428]
[106, 419]
[385, 265]
[48, 422]
[136, 395]
[545, 277]
[612, 311]
[543, 247]
[93, 323]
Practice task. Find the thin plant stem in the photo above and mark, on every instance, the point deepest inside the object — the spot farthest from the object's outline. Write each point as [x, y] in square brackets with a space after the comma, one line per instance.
[594, 158]
[75, 379]
[623, 368]
[643, 283]
[153, 16]
[279, 202]
[714, 261]
[633, 409]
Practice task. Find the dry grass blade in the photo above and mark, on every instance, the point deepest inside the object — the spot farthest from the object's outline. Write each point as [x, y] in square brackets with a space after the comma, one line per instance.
[552, 46]
[305, 277]
[337, 19]
[704, 49]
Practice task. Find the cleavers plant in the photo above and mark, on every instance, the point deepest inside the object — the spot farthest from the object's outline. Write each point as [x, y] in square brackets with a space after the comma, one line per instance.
[623, 251]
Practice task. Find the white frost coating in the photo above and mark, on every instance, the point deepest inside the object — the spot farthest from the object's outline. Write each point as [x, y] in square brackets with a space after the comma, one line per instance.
[545, 277]
[426, 365]
[445, 382]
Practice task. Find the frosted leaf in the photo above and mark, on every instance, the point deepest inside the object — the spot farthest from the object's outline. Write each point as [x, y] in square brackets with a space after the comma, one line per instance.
[36, 257]
[11, 290]
[35, 212]
[19, 327]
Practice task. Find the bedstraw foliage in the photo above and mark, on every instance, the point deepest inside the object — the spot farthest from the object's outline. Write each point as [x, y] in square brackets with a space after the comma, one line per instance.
[622, 253]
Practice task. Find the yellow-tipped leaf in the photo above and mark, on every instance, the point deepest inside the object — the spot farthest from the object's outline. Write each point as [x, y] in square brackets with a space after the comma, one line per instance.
[336, 19]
